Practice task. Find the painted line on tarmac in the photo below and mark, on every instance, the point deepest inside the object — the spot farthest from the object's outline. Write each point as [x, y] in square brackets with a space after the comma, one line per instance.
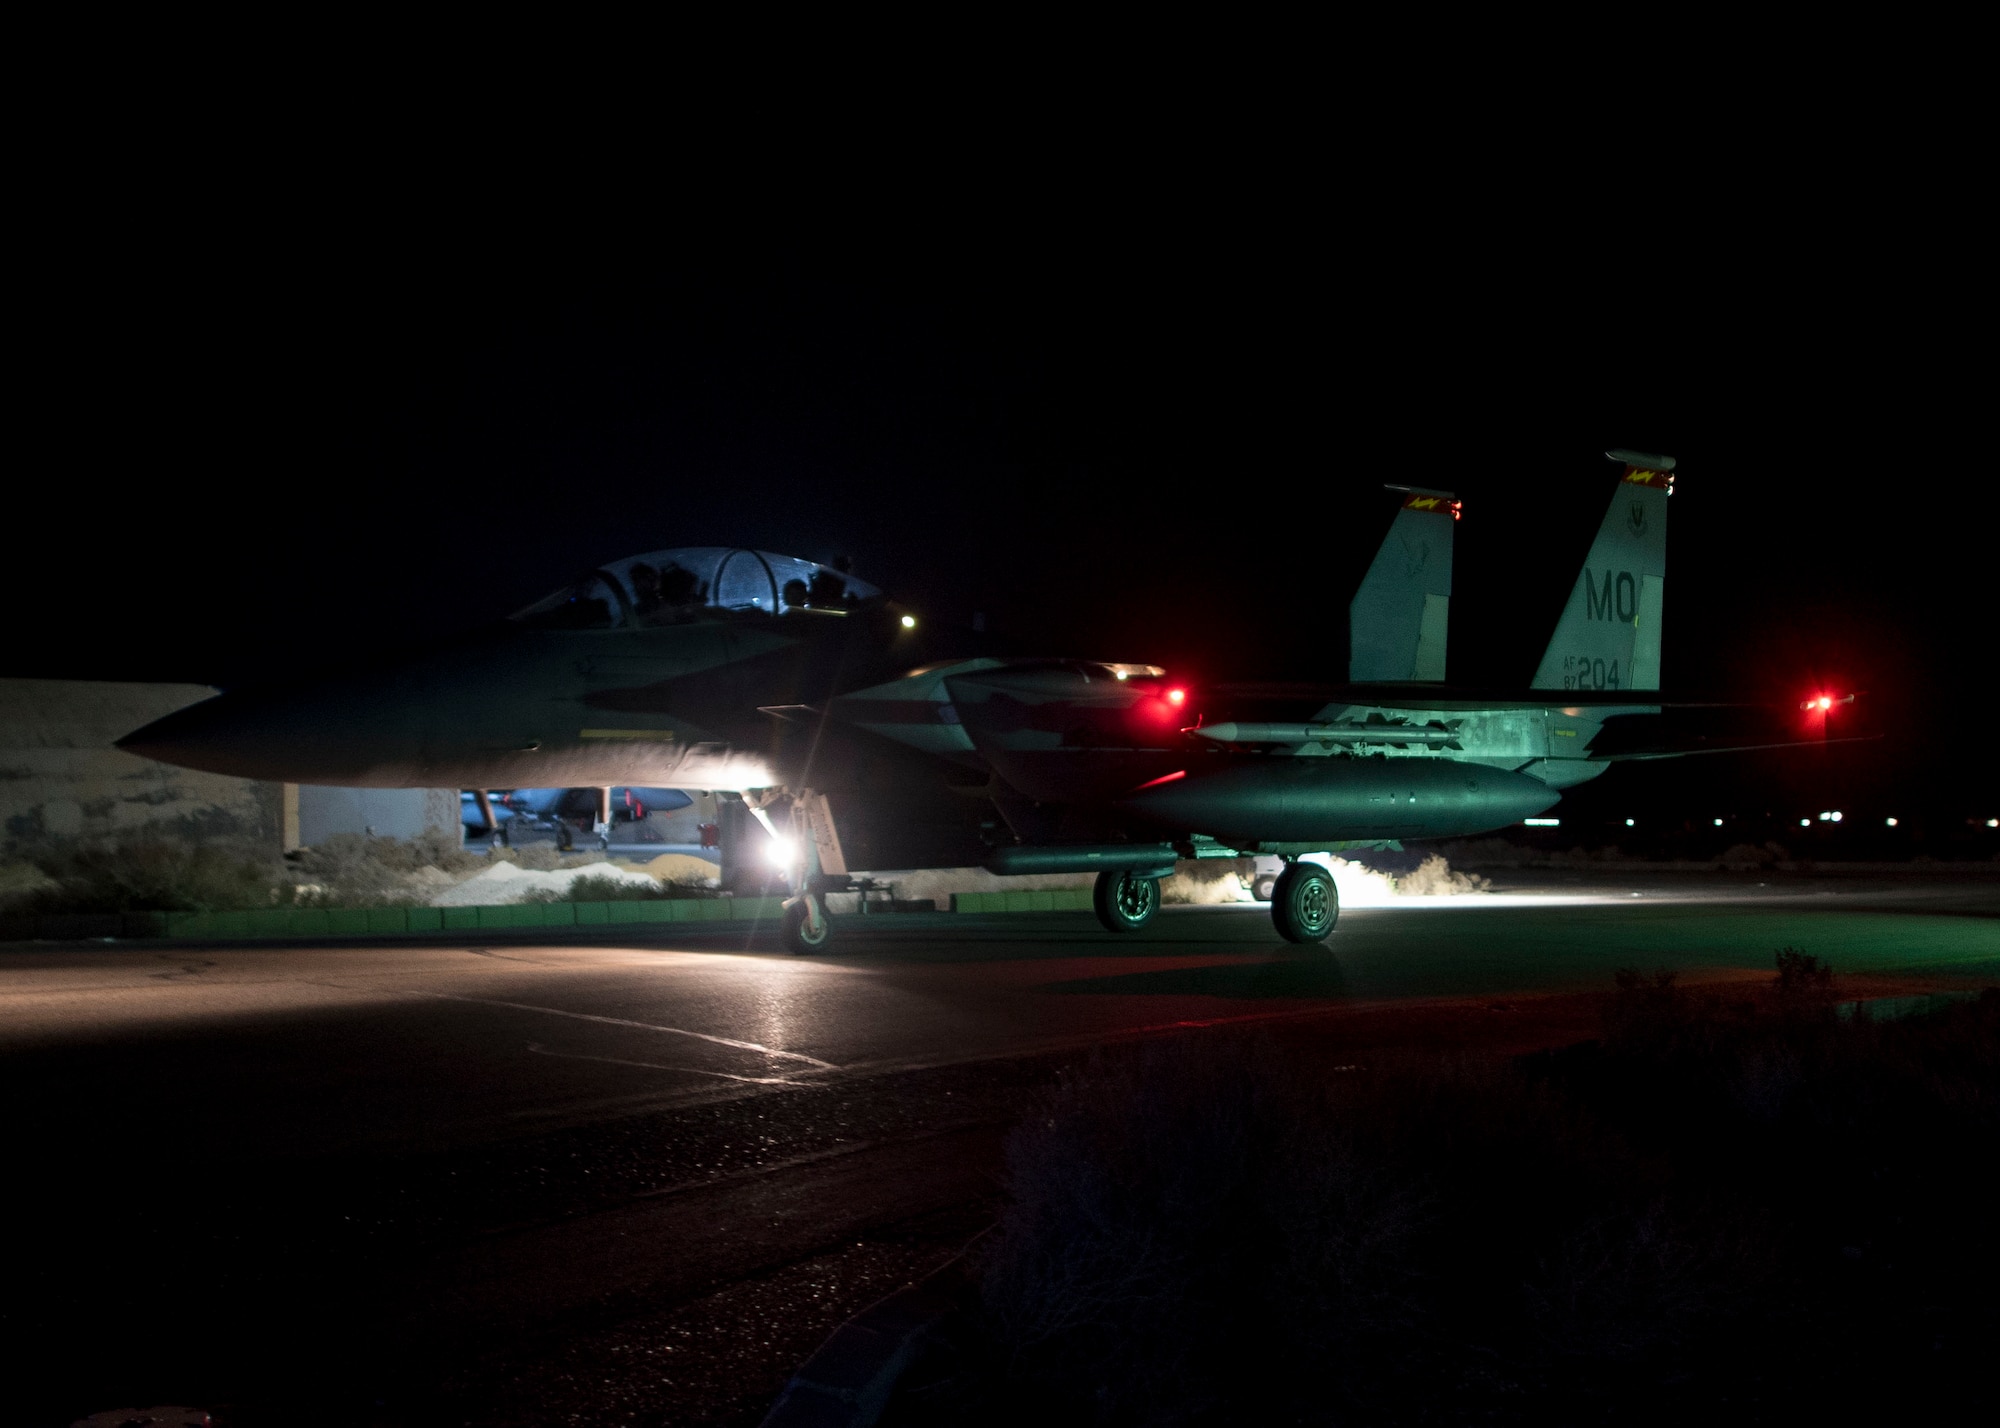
[638, 1025]
[541, 1050]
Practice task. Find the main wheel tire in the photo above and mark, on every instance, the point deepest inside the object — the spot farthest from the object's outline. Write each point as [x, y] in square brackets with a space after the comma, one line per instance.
[799, 937]
[1305, 904]
[1125, 902]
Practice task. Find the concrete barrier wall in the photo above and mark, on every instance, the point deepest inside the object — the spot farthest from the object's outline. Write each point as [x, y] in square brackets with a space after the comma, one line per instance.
[385, 812]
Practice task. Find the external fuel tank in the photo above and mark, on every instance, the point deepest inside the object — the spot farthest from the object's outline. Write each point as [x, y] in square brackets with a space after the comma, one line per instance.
[1252, 800]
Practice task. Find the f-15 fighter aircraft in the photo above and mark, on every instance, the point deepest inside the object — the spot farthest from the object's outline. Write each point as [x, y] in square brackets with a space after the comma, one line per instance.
[790, 684]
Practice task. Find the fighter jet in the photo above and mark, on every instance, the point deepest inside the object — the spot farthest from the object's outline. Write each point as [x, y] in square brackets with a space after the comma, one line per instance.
[1118, 769]
[1099, 767]
[788, 684]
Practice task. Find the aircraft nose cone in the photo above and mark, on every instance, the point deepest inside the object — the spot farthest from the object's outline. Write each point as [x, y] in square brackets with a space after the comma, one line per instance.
[283, 735]
[201, 736]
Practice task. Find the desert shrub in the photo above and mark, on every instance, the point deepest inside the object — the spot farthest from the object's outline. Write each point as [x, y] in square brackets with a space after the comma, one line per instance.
[154, 875]
[432, 848]
[601, 888]
[22, 884]
[363, 870]
[1845, 1145]
[366, 870]
[1213, 1233]
[1731, 1194]
[1803, 978]
[539, 857]
[1177, 1222]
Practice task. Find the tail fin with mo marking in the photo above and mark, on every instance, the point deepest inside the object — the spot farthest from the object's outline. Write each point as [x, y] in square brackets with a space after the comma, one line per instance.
[1609, 634]
[1400, 615]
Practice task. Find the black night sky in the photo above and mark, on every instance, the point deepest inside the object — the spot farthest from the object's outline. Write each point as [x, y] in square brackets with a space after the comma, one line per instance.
[1143, 430]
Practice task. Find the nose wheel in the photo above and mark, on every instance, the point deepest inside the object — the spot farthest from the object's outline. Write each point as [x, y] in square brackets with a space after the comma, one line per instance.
[1125, 902]
[1304, 903]
[807, 927]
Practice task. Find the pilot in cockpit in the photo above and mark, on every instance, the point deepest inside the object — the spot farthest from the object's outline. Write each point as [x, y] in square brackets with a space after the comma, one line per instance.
[661, 595]
[680, 587]
[828, 590]
[645, 591]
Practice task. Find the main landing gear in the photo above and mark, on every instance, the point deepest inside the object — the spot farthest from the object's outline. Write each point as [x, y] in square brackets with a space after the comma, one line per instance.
[1304, 903]
[1125, 901]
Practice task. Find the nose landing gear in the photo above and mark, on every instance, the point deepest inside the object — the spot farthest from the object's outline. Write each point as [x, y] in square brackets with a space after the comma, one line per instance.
[807, 928]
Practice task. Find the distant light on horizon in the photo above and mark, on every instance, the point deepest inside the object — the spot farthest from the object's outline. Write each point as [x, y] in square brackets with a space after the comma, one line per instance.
[1631, 823]
[1892, 822]
[1718, 822]
[1543, 822]
[909, 622]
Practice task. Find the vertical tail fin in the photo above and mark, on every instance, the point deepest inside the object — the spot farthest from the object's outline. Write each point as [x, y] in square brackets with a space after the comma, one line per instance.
[1399, 616]
[1609, 634]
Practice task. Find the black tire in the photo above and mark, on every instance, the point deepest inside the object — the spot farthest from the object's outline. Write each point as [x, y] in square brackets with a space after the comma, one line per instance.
[1125, 902]
[798, 933]
[1305, 905]
[1264, 887]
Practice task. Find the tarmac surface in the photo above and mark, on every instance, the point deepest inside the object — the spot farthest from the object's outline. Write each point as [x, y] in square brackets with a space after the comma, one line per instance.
[637, 1179]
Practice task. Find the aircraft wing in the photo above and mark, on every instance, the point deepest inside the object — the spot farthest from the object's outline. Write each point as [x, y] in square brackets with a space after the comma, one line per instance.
[1431, 696]
[1732, 749]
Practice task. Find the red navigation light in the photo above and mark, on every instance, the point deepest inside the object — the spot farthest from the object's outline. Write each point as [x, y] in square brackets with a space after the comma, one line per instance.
[1165, 706]
[1826, 701]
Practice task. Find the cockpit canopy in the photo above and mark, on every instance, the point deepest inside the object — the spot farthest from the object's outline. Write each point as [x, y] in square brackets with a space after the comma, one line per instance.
[664, 587]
